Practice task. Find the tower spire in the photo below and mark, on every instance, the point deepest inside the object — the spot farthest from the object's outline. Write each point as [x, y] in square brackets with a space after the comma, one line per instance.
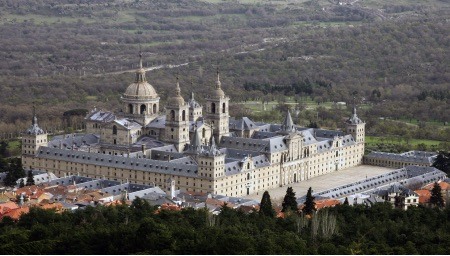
[34, 121]
[218, 84]
[140, 73]
[288, 124]
[177, 89]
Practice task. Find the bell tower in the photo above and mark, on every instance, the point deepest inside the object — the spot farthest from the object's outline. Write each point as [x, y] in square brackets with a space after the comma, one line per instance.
[177, 120]
[217, 110]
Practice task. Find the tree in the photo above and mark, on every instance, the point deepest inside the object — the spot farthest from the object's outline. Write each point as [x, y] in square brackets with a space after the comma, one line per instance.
[310, 205]
[289, 201]
[15, 172]
[265, 208]
[22, 183]
[442, 162]
[346, 201]
[436, 198]
[30, 178]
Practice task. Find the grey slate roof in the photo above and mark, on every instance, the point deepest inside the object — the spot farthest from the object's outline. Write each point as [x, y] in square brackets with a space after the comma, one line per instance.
[270, 145]
[101, 116]
[327, 133]
[193, 103]
[141, 164]
[354, 119]
[418, 157]
[158, 122]
[128, 123]
[242, 124]
[308, 137]
[152, 143]
[405, 176]
[78, 140]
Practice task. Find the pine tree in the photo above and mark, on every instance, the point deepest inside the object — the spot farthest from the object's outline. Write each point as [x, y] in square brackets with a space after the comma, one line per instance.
[265, 208]
[346, 201]
[30, 178]
[289, 201]
[310, 205]
[442, 162]
[14, 172]
[436, 198]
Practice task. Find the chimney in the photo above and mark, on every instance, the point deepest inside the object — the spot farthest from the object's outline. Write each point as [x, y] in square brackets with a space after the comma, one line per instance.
[143, 149]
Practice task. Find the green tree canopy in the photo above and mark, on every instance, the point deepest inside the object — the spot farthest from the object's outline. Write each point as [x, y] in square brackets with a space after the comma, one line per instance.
[265, 208]
[310, 205]
[30, 178]
[442, 162]
[436, 198]
[289, 201]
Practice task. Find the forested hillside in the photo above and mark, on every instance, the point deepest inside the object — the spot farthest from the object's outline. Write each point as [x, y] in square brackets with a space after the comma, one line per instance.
[72, 54]
[138, 229]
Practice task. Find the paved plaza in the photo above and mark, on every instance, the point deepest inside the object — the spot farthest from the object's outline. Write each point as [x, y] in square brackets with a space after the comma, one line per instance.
[325, 182]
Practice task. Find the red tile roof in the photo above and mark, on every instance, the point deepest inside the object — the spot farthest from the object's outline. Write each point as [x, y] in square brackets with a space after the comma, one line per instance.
[8, 206]
[444, 185]
[424, 195]
[16, 213]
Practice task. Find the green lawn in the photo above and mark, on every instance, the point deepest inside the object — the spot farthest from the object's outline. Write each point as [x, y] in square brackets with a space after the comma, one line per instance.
[14, 147]
[393, 140]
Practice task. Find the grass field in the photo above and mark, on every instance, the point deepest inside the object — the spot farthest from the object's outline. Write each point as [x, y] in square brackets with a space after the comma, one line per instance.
[392, 140]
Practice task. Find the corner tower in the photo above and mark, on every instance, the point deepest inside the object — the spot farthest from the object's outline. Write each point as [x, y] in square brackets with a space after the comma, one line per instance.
[140, 100]
[356, 127]
[33, 138]
[211, 165]
[177, 120]
[217, 110]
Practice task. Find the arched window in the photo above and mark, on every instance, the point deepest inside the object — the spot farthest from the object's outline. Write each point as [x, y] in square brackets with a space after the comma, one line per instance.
[114, 130]
[130, 108]
[143, 109]
[203, 133]
[154, 108]
[213, 108]
[223, 107]
[248, 176]
[172, 115]
[183, 115]
[248, 166]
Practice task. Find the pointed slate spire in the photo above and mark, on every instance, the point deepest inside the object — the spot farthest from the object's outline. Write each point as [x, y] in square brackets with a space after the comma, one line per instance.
[34, 121]
[288, 124]
[218, 83]
[354, 119]
[177, 88]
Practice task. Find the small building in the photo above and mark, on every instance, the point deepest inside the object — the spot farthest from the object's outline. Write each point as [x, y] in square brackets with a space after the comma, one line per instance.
[399, 196]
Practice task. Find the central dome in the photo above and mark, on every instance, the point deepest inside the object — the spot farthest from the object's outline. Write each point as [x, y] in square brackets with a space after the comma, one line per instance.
[140, 89]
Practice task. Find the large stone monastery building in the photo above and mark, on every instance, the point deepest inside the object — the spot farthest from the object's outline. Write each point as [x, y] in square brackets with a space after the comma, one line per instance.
[192, 147]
